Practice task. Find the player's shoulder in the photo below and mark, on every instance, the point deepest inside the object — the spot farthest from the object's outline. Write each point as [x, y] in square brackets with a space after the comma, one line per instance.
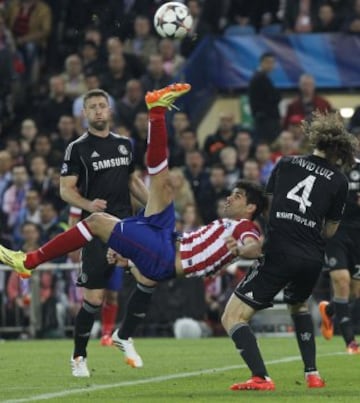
[76, 143]
[119, 137]
[84, 137]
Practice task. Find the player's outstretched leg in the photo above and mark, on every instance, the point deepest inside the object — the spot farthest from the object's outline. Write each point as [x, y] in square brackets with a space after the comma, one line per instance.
[166, 96]
[98, 225]
[15, 260]
[158, 102]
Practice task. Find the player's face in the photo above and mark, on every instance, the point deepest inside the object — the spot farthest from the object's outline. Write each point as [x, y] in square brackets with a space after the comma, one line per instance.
[236, 204]
[98, 113]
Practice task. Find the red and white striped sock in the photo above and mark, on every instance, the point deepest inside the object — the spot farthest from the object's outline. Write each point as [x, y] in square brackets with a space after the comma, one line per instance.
[156, 158]
[68, 241]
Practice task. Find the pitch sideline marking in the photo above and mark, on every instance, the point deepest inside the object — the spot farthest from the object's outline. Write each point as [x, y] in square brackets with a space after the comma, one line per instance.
[47, 396]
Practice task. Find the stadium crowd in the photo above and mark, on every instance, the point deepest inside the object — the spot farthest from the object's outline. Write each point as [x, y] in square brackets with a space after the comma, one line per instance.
[53, 51]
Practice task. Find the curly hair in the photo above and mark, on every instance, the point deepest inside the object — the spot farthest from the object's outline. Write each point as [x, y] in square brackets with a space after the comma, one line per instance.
[327, 133]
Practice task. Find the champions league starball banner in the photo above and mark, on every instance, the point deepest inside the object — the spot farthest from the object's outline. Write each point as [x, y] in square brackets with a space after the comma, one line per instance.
[227, 64]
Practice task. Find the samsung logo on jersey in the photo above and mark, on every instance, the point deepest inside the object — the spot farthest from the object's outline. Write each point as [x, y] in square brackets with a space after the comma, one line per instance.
[312, 167]
[110, 163]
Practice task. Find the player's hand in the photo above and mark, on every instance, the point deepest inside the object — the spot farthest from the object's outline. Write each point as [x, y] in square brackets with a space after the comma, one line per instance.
[115, 258]
[97, 205]
[232, 245]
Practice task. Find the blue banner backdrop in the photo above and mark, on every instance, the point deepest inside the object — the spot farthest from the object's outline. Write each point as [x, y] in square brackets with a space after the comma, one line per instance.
[228, 62]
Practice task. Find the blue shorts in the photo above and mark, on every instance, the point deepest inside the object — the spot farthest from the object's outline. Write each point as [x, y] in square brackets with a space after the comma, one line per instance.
[115, 282]
[149, 242]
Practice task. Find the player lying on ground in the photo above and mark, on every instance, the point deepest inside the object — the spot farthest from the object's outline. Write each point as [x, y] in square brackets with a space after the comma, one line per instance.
[149, 240]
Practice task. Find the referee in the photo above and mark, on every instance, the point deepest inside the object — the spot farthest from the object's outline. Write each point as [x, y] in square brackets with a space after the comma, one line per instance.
[96, 176]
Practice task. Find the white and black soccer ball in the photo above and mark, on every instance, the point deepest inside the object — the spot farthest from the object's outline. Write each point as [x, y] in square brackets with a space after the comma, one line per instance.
[173, 20]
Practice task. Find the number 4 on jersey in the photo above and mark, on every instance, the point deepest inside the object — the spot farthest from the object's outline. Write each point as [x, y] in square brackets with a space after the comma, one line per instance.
[301, 193]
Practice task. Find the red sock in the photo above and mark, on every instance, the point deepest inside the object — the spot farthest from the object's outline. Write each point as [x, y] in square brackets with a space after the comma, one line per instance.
[108, 318]
[62, 244]
[156, 158]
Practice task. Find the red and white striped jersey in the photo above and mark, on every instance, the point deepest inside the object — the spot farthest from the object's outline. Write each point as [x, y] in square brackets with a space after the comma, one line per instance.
[204, 251]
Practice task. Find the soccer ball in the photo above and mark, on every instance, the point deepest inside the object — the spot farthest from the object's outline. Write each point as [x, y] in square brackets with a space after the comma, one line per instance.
[173, 20]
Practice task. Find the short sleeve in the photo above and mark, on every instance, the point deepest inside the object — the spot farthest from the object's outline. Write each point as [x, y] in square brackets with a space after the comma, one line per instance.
[338, 203]
[71, 163]
[244, 229]
[269, 188]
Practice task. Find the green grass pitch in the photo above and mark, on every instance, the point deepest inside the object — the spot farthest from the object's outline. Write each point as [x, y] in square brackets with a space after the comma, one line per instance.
[174, 371]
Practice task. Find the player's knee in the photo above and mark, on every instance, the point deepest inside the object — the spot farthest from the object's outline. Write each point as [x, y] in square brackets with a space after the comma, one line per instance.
[95, 222]
[301, 307]
[225, 320]
[228, 319]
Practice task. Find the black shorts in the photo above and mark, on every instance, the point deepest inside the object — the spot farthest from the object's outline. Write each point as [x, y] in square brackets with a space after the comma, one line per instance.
[277, 271]
[95, 270]
[343, 252]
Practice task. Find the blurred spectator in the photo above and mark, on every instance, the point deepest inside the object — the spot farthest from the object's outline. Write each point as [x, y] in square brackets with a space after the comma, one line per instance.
[263, 157]
[241, 12]
[251, 171]
[155, 76]
[14, 196]
[131, 103]
[53, 194]
[5, 172]
[7, 73]
[244, 146]
[182, 189]
[139, 135]
[307, 101]
[212, 193]
[199, 29]
[19, 290]
[224, 136]
[133, 63]
[29, 213]
[299, 15]
[179, 122]
[55, 105]
[264, 99]
[295, 127]
[39, 179]
[28, 132]
[65, 133]
[43, 147]
[93, 34]
[220, 207]
[73, 76]
[326, 20]
[30, 22]
[6, 38]
[355, 119]
[92, 82]
[352, 19]
[143, 43]
[228, 158]
[50, 223]
[195, 172]
[89, 52]
[186, 142]
[12, 145]
[284, 145]
[115, 79]
[172, 61]
[190, 218]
